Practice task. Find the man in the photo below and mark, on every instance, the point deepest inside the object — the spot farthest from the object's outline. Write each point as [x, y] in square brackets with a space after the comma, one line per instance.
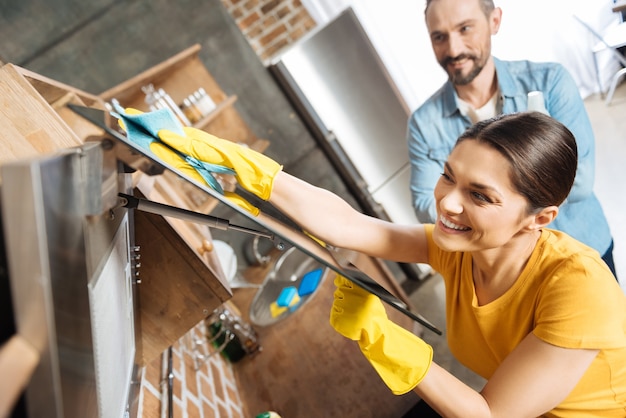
[479, 87]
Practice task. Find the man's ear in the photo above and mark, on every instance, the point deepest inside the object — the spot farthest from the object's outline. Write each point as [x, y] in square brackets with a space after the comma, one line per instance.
[542, 218]
[495, 19]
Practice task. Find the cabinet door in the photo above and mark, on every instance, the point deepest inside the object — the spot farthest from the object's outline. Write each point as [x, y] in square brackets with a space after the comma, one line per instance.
[179, 286]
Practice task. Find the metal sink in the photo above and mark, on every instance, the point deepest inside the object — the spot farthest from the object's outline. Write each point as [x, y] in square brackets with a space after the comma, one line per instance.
[288, 271]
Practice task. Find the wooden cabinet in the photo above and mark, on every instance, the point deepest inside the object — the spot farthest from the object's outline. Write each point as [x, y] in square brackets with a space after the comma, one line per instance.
[175, 293]
[34, 118]
[181, 280]
[180, 76]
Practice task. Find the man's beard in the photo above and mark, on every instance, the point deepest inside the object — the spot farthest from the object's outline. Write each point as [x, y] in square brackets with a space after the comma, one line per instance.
[456, 77]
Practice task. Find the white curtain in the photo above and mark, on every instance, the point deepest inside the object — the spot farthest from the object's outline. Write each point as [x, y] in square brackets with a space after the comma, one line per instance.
[540, 30]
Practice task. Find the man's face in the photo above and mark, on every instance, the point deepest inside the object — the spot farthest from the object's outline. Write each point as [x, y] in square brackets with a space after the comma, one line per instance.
[460, 34]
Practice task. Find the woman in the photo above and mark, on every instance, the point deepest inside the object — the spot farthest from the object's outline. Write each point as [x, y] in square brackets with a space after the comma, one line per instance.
[536, 313]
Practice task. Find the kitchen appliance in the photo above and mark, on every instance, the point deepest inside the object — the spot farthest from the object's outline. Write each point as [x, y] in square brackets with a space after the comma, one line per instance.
[282, 233]
[70, 253]
[344, 94]
[339, 82]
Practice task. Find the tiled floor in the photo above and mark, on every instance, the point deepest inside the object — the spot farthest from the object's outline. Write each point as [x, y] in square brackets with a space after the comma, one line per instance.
[609, 124]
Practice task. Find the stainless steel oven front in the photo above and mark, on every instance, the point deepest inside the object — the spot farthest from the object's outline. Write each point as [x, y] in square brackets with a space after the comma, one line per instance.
[69, 256]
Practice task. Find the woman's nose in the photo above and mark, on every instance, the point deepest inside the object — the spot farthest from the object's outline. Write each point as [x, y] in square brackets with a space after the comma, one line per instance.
[451, 203]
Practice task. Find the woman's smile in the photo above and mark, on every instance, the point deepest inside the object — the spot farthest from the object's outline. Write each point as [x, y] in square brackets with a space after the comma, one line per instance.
[449, 226]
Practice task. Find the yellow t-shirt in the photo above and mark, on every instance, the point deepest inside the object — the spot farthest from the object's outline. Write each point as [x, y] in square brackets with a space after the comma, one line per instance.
[566, 296]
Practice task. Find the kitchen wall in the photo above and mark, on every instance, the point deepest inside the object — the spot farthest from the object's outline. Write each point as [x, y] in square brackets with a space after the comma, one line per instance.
[270, 25]
[202, 388]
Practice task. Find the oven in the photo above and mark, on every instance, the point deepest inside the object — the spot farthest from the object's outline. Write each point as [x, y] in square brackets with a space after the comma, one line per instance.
[71, 268]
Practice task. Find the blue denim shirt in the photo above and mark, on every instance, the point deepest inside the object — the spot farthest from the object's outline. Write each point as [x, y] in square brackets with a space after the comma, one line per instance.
[435, 126]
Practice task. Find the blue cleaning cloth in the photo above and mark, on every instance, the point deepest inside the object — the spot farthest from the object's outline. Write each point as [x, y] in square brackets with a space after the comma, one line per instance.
[143, 129]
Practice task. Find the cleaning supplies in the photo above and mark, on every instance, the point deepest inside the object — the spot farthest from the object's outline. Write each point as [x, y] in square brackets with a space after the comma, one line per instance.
[309, 282]
[292, 282]
[536, 102]
[290, 297]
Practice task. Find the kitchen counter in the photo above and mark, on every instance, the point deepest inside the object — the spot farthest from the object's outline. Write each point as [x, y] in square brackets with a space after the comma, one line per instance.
[306, 369]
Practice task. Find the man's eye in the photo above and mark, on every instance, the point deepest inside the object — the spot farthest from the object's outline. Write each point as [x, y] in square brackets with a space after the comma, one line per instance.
[437, 38]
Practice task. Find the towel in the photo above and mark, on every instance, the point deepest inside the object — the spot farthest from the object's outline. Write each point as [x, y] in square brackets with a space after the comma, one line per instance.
[142, 129]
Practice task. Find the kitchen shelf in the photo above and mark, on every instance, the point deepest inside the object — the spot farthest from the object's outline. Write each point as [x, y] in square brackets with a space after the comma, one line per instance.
[31, 127]
[167, 316]
[206, 120]
[180, 76]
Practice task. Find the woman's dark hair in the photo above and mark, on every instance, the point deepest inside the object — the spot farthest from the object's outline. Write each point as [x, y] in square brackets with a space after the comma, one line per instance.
[541, 150]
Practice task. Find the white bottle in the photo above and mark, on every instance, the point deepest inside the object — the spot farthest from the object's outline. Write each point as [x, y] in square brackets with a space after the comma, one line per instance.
[204, 101]
[173, 107]
[536, 102]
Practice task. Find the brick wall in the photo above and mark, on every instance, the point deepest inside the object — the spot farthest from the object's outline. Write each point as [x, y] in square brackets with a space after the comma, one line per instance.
[203, 388]
[270, 25]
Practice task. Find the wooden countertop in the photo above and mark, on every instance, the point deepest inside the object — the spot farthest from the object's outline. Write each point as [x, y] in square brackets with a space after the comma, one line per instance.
[306, 369]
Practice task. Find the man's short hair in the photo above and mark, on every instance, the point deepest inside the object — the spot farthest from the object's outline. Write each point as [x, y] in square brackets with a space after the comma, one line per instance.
[487, 6]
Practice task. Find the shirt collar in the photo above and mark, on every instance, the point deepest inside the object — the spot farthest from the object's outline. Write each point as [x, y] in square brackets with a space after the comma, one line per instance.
[450, 105]
[506, 84]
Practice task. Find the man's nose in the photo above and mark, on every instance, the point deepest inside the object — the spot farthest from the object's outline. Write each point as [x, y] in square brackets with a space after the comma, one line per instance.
[456, 46]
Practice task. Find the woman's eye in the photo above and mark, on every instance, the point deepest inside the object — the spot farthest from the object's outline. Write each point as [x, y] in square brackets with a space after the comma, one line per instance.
[481, 197]
[446, 177]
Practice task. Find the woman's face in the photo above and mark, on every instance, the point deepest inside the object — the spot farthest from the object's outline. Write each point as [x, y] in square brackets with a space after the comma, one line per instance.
[477, 207]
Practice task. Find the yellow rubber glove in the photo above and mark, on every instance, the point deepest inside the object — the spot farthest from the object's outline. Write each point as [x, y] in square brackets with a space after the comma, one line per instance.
[255, 171]
[177, 161]
[165, 154]
[400, 358]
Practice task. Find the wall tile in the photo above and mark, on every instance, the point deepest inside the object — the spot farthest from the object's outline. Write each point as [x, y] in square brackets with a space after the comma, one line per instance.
[204, 386]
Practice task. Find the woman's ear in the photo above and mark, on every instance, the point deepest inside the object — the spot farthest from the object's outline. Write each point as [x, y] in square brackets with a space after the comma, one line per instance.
[542, 218]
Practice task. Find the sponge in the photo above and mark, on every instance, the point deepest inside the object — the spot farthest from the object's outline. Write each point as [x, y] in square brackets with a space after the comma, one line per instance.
[276, 310]
[309, 282]
[288, 297]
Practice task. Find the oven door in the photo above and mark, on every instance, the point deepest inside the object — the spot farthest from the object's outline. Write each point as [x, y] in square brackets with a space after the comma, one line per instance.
[69, 269]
